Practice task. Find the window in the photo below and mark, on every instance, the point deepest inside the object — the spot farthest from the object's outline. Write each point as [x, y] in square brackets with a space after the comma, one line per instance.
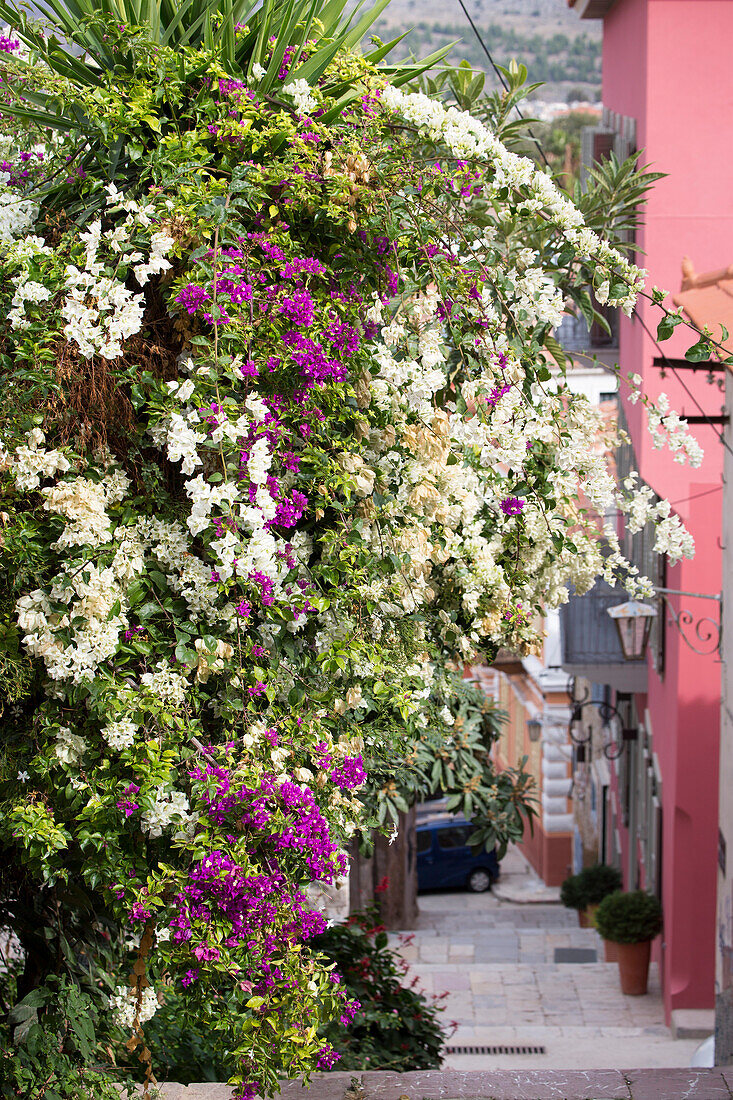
[454, 837]
[424, 840]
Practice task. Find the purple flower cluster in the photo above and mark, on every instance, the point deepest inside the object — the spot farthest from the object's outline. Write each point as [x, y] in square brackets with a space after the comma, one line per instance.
[318, 360]
[327, 1057]
[266, 586]
[126, 804]
[350, 774]
[297, 267]
[226, 87]
[517, 615]
[288, 56]
[314, 363]
[192, 297]
[204, 953]
[289, 510]
[512, 506]
[231, 286]
[248, 1091]
[28, 166]
[306, 832]
[343, 337]
[286, 817]
[299, 307]
[492, 400]
[263, 912]
[350, 1010]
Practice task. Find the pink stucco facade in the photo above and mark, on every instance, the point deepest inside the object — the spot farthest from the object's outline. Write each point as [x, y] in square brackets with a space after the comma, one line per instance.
[666, 63]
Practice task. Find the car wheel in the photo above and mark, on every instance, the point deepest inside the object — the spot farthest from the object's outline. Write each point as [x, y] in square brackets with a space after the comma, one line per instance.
[479, 881]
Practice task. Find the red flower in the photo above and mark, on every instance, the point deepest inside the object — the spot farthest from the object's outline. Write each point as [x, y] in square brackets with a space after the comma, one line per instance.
[382, 886]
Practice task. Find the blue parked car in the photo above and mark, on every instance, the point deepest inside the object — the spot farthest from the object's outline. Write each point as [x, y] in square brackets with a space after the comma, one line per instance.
[444, 858]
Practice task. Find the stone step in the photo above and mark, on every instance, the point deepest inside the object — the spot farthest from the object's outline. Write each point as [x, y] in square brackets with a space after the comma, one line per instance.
[565, 1048]
[482, 935]
[610, 1084]
[574, 970]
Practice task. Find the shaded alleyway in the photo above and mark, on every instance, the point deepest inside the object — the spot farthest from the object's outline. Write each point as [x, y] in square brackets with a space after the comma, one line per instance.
[498, 963]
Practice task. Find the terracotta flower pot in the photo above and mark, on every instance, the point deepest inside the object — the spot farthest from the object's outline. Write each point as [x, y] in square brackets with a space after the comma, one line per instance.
[610, 951]
[585, 916]
[633, 967]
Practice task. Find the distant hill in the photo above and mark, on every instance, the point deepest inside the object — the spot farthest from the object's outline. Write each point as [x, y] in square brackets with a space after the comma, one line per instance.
[557, 47]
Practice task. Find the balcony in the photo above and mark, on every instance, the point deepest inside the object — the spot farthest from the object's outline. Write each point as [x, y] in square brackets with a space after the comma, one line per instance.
[590, 645]
[591, 9]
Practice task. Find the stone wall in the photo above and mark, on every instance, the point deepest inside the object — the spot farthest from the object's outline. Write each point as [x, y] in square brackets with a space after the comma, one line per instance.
[601, 1084]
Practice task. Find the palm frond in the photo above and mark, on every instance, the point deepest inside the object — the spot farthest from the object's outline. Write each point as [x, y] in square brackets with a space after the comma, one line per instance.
[77, 33]
[73, 44]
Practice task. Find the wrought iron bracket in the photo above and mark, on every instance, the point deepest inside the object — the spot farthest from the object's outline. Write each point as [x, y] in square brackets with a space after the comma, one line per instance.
[613, 745]
[708, 632]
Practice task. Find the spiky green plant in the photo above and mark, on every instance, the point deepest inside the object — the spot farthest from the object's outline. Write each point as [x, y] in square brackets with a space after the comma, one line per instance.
[86, 49]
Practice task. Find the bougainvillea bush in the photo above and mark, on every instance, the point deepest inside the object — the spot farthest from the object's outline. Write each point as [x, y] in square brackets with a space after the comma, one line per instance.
[396, 1027]
[280, 449]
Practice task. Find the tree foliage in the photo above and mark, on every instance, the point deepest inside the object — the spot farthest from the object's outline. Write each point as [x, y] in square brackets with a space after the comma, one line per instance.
[281, 450]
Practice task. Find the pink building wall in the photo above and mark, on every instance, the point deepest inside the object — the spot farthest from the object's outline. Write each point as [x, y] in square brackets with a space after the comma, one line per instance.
[666, 63]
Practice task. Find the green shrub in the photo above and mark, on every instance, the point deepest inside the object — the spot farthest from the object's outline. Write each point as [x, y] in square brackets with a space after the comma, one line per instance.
[629, 918]
[396, 1027]
[597, 882]
[570, 893]
[180, 1051]
[53, 1046]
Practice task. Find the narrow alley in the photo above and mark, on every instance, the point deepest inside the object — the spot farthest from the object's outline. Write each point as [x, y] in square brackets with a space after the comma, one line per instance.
[500, 964]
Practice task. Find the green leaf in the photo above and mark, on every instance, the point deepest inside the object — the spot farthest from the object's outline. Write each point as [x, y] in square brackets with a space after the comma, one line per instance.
[556, 351]
[699, 352]
[667, 325]
[35, 999]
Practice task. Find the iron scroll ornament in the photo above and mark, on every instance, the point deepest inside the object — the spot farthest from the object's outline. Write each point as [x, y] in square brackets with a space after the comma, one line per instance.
[613, 745]
[707, 630]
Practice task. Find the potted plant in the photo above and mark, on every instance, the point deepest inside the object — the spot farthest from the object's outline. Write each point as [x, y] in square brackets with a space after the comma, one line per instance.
[631, 921]
[572, 897]
[596, 883]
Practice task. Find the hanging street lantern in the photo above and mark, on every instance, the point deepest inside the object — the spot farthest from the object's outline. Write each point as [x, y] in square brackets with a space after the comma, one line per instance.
[534, 728]
[634, 623]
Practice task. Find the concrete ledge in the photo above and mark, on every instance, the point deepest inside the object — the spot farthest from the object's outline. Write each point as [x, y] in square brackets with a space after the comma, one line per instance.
[601, 1084]
[692, 1023]
[523, 890]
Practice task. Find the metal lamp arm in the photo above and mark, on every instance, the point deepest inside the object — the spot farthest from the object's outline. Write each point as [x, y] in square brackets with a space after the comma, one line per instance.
[707, 630]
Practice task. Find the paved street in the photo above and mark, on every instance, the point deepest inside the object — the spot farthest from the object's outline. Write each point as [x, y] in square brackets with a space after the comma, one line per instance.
[495, 962]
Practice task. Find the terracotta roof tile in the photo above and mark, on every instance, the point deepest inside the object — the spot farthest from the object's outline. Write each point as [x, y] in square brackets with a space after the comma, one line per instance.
[707, 299]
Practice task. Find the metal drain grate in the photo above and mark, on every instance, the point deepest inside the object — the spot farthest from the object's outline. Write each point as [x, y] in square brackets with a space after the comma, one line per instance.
[496, 1050]
[575, 955]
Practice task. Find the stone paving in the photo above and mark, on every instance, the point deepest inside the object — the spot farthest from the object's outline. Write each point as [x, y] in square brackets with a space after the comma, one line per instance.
[493, 959]
[493, 963]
